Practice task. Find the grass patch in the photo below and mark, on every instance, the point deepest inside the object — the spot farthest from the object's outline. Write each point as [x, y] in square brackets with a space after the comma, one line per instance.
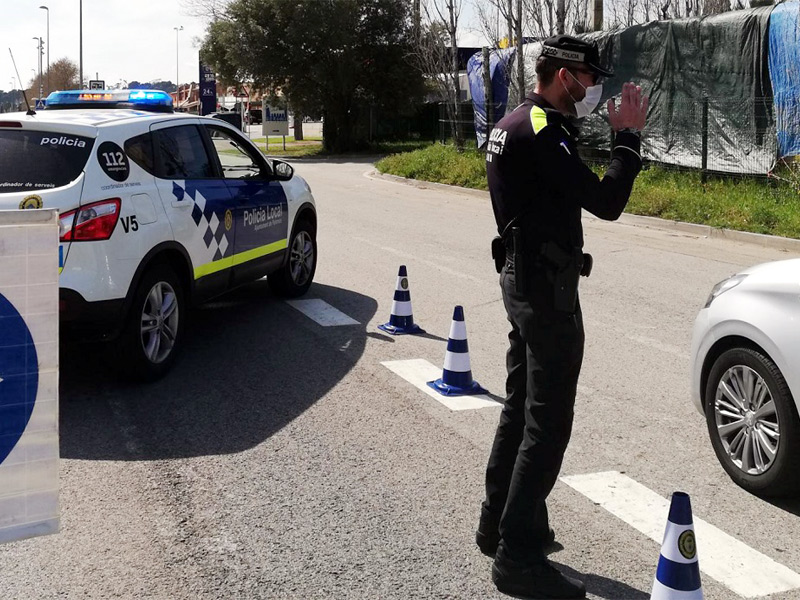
[744, 204]
[770, 206]
[293, 149]
[312, 146]
[276, 139]
[438, 163]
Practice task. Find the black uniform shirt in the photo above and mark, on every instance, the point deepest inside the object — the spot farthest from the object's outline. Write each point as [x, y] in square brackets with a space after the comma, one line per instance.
[534, 172]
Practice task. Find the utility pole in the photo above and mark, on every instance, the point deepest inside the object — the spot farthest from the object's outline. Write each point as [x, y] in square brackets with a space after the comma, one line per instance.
[39, 53]
[177, 67]
[561, 16]
[80, 39]
[520, 53]
[488, 100]
[597, 21]
[510, 23]
[48, 45]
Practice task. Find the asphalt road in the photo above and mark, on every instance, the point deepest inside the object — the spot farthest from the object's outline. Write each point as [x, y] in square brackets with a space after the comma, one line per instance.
[282, 460]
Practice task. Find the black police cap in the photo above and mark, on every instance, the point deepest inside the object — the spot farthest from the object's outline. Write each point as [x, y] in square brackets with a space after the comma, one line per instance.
[567, 48]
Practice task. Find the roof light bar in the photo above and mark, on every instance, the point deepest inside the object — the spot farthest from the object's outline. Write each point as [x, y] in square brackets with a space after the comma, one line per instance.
[154, 100]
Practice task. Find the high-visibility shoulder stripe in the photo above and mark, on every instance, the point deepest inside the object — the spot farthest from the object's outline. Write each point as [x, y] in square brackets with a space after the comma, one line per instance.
[238, 259]
[538, 119]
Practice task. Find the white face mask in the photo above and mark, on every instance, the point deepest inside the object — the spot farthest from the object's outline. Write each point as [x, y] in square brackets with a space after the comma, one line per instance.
[590, 100]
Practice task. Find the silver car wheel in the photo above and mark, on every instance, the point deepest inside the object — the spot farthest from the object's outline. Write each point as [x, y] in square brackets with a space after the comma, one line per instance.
[159, 322]
[301, 259]
[746, 419]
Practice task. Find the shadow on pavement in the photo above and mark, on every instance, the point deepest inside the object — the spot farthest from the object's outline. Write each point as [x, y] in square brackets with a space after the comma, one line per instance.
[250, 365]
[597, 585]
[790, 505]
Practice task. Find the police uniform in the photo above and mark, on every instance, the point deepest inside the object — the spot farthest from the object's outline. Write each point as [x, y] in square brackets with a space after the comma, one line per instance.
[538, 186]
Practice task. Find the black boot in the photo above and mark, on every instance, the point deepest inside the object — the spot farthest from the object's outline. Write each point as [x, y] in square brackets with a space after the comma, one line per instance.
[535, 581]
[487, 536]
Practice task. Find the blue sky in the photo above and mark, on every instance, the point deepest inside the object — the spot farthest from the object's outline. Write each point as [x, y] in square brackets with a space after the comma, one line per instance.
[122, 39]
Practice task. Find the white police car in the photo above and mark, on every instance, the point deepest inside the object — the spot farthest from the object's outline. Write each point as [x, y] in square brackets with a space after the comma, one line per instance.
[158, 210]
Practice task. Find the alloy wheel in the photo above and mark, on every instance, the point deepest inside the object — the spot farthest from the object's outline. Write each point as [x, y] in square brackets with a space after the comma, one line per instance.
[159, 323]
[747, 420]
[301, 259]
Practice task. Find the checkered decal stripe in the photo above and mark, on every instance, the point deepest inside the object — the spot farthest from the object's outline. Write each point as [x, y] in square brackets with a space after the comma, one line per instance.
[207, 220]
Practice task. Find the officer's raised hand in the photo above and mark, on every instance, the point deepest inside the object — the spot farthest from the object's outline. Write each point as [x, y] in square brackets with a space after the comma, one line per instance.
[632, 111]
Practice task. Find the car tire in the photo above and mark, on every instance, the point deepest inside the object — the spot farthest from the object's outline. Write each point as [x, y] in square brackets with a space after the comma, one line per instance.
[757, 443]
[295, 277]
[149, 345]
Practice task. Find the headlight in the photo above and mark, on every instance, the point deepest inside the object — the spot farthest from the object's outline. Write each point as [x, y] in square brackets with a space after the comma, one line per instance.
[723, 286]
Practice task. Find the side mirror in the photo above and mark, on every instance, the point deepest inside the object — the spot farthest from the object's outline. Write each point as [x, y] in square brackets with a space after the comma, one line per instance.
[282, 171]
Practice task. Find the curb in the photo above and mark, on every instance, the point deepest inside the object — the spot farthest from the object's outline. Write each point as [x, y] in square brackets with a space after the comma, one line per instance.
[759, 239]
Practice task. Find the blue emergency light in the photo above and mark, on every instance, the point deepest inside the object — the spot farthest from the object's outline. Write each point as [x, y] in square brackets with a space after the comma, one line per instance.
[149, 100]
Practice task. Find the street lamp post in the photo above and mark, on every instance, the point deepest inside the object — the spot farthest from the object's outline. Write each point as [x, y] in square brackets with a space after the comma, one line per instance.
[48, 45]
[80, 39]
[177, 67]
[39, 52]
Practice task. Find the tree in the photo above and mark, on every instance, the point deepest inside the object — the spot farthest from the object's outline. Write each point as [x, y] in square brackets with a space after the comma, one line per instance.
[500, 20]
[63, 75]
[331, 57]
[436, 55]
[633, 12]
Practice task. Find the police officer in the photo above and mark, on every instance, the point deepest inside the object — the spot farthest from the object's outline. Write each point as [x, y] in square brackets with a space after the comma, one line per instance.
[538, 186]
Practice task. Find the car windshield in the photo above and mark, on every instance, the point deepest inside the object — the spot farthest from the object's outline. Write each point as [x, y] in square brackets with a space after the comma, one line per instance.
[40, 160]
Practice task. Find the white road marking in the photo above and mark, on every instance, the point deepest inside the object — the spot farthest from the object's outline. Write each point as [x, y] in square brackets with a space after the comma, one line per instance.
[721, 556]
[321, 312]
[419, 372]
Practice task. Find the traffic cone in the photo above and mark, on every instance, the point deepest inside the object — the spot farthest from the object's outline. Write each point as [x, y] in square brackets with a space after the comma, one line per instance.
[678, 573]
[456, 377]
[401, 321]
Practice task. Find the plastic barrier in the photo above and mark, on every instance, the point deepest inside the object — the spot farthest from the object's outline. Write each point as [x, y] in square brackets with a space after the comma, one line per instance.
[29, 260]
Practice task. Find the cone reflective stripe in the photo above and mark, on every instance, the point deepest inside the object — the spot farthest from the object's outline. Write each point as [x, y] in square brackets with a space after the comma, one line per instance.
[456, 377]
[678, 573]
[401, 321]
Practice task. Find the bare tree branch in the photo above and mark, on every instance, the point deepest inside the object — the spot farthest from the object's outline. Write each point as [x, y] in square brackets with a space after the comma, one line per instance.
[437, 56]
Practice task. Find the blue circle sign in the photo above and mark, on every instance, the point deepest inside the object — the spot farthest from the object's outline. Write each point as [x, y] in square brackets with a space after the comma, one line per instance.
[19, 376]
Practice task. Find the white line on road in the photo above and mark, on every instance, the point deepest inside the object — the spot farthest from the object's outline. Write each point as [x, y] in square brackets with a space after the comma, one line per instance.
[322, 312]
[721, 556]
[419, 372]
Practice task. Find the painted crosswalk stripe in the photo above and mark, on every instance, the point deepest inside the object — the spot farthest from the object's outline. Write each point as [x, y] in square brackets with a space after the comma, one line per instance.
[322, 313]
[722, 557]
[419, 372]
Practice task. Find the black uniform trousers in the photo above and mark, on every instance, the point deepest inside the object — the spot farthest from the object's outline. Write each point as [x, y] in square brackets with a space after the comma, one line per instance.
[543, 362]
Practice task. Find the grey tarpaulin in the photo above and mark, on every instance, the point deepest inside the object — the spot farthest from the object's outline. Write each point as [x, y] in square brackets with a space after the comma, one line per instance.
[678, 63]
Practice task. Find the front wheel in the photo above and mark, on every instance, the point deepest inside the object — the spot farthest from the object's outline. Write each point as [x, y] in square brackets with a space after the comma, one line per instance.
[753, 424]
[153, 333]
[295, 277]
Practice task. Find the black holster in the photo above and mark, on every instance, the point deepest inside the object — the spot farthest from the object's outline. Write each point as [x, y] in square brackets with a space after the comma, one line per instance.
[498, 253]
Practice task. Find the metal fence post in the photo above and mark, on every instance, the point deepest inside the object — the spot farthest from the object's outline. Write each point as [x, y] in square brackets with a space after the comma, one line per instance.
[704, 134]
[487, 91]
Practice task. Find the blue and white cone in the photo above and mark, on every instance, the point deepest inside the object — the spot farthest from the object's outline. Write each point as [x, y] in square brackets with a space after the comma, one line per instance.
[456, 377]
[401, 321]
[678, 574]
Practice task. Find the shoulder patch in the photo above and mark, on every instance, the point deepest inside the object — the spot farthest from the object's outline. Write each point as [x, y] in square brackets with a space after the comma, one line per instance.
[538, 118]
